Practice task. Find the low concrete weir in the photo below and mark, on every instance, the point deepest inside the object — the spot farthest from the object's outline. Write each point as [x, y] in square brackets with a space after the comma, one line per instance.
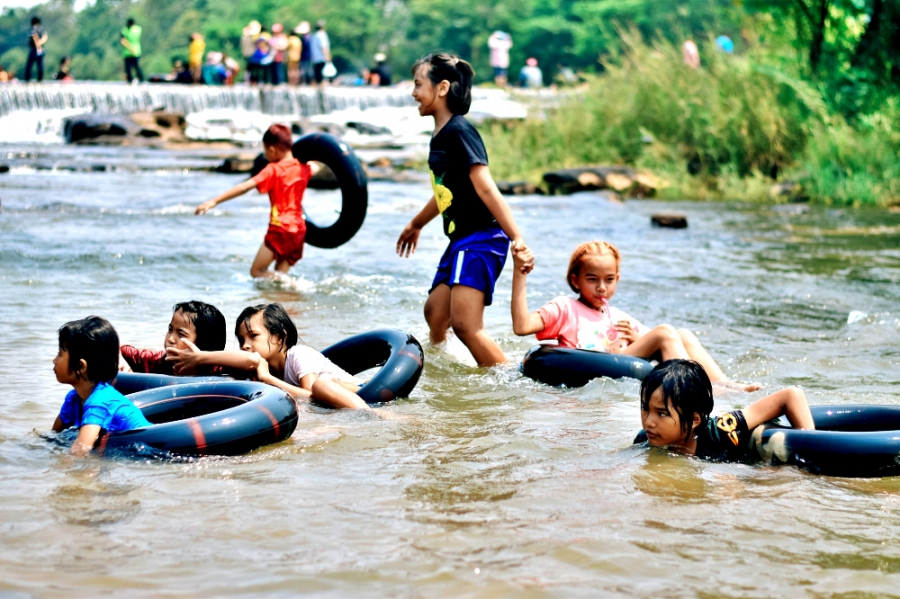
[120, 98]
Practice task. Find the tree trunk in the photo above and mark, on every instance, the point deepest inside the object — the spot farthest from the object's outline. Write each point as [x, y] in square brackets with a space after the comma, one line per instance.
[818, 36]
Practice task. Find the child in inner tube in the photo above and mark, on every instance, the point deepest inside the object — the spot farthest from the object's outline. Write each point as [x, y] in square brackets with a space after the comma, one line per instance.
[476, 218]
[269, 340]
[676, 402]
[196, 322]
[285, 179]
[87, 360]
[589, 322]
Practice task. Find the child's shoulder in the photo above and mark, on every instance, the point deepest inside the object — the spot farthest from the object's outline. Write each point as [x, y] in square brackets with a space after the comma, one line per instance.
[105, 393]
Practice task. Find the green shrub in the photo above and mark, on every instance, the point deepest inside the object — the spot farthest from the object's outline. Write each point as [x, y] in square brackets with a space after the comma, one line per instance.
[733, 124]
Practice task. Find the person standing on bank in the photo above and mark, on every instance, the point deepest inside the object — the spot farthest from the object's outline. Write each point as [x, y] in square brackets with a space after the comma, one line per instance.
[37, 37]
[476, 218]
[320, 51]
[131, 44]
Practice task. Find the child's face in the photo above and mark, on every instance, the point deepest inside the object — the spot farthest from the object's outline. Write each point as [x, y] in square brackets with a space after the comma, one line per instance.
[180, 328]
[425, 93]
[253, 336]
[661, 422]
[61, 368]
[597, 279]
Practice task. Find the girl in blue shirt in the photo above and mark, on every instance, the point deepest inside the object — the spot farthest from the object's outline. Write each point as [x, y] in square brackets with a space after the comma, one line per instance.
[476, 218]
[88, 359]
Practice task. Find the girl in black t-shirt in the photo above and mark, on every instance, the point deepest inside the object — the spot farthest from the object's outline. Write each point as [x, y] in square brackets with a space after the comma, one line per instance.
[476, 218]
[676, 401]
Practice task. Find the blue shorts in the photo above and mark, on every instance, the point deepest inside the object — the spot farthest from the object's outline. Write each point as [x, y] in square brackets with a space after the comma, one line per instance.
[475, 261]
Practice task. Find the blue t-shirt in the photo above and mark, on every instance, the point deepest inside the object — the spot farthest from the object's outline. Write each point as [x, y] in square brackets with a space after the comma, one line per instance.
[105, 407]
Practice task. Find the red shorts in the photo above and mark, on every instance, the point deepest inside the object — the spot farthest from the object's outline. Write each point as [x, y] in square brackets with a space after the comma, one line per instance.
[285, 245]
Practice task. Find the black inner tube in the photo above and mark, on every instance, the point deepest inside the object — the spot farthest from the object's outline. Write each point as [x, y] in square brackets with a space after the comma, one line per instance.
[398, 353]
[353, 182]
[572, 367]
[198, 416]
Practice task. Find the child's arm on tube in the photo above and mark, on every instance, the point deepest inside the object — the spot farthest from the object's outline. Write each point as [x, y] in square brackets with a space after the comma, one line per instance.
[490, 195]
[237, 190]
[790, 402]
[264, 376]
[409, 238]
[191, 357]
[524, 322]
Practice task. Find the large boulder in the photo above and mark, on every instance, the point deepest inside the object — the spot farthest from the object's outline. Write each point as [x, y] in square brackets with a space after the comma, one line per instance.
[102, 127]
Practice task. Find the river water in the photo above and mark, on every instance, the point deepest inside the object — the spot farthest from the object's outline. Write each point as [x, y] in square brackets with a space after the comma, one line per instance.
[482, 483]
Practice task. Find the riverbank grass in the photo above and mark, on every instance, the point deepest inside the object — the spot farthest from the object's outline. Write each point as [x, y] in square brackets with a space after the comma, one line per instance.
[727, 131]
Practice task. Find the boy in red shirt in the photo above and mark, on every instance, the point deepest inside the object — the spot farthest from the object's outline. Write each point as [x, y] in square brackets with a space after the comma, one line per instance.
[284, 179]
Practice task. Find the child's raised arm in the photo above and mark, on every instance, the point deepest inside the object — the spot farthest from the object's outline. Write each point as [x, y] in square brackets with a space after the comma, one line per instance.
[524, 323]
[790, 402]
[237, 190]
[191, 357]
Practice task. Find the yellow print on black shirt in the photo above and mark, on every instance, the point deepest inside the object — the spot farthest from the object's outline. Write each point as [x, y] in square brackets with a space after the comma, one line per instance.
[728, 423]
[443, 196]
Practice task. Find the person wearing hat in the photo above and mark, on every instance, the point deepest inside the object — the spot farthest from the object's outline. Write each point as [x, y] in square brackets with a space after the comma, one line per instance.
[320, 51]
[531, 76]
[248, 43]
[500, 42]
[294, 52]
[382, 69]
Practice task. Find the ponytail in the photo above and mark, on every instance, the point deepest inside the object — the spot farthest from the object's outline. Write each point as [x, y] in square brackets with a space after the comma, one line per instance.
[455, 71]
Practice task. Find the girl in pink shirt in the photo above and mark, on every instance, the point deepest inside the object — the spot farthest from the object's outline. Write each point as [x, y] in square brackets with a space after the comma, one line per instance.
[589, 322]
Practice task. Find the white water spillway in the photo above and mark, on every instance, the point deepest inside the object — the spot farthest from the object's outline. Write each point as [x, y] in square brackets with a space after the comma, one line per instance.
[35, 112]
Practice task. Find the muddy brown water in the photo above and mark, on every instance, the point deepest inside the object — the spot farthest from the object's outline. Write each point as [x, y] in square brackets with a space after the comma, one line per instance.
[482, 483]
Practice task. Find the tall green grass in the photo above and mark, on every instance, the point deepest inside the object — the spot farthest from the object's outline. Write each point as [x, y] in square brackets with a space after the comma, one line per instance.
[735, 125]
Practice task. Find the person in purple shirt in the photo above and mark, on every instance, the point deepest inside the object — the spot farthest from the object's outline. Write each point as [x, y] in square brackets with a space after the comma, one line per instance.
[88, 359]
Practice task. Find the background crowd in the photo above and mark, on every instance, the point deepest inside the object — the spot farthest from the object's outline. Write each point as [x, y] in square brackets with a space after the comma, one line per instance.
[269, 55]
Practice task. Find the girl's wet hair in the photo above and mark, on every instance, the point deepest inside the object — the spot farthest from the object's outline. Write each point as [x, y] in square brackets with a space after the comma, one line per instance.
[94, 340]
[586, 249]
[276, 320]
[209, 323]
[685, 385]
[443, 66]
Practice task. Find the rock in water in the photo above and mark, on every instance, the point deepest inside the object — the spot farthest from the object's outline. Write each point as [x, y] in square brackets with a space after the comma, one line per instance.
[670, 221]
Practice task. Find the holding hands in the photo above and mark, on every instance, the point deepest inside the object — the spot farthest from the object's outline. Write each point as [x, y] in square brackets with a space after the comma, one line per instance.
[523, 257]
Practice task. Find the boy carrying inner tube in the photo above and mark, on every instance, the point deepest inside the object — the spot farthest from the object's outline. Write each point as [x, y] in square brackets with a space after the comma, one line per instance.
[285, 179]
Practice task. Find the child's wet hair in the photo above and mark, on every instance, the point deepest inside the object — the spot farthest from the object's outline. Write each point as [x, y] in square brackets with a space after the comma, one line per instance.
[587, 249]
[443, 66]
[94, 340]
[212, 333]
[685, 385]
[278, 136]
[276, 320]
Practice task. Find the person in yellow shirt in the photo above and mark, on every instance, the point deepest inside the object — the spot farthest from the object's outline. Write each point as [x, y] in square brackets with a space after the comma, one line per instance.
[195, 56]
[294, 52]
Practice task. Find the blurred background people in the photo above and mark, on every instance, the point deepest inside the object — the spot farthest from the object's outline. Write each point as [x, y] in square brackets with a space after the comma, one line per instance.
[530, 76]
[63, 75]
[381, 70]
[500, 42]
[196, 50]
[37, 37]
[131, 50]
